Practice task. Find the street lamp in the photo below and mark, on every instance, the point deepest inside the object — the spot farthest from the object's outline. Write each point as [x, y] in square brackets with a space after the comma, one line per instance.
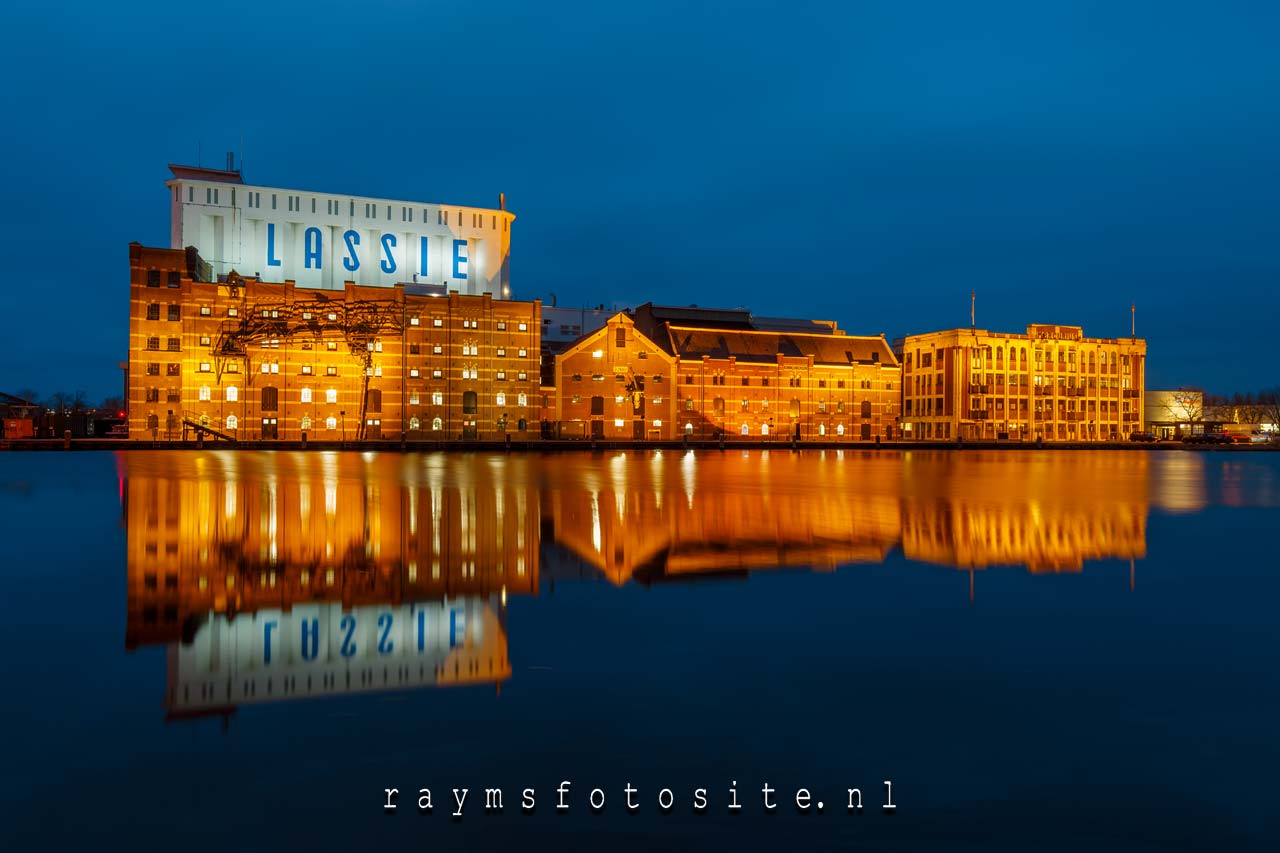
[343, 414]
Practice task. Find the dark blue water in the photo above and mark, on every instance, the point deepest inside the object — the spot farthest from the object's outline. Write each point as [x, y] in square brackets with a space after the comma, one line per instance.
[1048, 651]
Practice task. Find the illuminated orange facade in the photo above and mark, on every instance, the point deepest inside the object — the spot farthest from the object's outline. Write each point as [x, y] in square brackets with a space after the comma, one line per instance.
[253, 360]
[739, 383]
[1050, 384]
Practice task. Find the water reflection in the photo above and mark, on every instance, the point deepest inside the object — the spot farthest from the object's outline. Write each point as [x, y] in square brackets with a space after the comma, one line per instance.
[274, 576]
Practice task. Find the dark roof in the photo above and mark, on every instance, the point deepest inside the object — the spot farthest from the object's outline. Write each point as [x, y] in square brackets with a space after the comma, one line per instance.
[763, 346]
[199, 173]
[10, 400]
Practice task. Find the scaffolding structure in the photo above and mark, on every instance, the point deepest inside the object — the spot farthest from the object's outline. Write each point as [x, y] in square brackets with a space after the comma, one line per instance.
[271, 322]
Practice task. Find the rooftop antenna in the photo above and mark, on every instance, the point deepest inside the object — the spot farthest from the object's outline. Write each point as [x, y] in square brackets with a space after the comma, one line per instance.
[1133, 319]
[502, 201]
[973, 304]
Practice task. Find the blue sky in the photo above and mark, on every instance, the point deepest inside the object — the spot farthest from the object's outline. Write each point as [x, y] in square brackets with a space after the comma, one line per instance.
[867, 162]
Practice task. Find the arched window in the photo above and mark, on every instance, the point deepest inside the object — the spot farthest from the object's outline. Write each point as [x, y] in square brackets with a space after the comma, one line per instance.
[233, 394]
[500, 399]
[746, 430]
[232, 422]
[522, 399]
[306, 423]
[822, 429]
[331, 422]
[331, 395]
[764, 429]
[688, 429]
[205, 394]
[999, 358]
[437, 424]
[415, 424]
[204, 420]
[306, 395]
[866, 408]
[840, 429]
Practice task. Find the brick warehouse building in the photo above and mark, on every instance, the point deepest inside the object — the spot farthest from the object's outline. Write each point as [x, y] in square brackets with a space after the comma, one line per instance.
[1050, 384]
[705, 374]
[256, 360]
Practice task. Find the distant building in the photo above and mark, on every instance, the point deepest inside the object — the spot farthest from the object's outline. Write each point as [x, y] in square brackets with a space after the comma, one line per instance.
[18, 416]
[1050, 384]
[1174, 414]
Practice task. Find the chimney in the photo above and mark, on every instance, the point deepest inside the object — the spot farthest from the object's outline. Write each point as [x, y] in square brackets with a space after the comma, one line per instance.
[502, 201]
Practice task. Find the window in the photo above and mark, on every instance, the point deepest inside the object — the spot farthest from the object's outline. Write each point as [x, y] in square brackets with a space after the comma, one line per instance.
[306, 423]
[502, 376]
[500, 399]
[437, 350]
[522, 352]
[232, 422]
[469, 404]
[233, 393]
[306, 370]
[305, 395]
[620, 338]
[153, 369]
[502, 326]
[413, 372]
[331, 370]
[331, 422]
[331, 395]
[153, 278]
[233, 312]
[175, 313]
[413, 398]
[153, 311]
[522, 399]
[373, 401]
[597, 405]
[415, 424]
[173, 369]
[205, 340]
[437, 374]
[437, 398]
[174, 344]
[204, 394]
[688, 429]
[437, 322]
[414, 321]
[437, 424]
[524, 327]
[205, 367]
[153, 395]
[206, 311]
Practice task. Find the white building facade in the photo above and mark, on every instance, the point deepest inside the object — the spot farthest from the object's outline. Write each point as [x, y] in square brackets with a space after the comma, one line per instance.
[321, 240]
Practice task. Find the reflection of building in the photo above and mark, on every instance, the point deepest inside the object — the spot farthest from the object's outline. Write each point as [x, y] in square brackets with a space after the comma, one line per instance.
[313, 650]
[1051, 383]
[993, 511]
[682, 515]
[280, 575]
[243, 534]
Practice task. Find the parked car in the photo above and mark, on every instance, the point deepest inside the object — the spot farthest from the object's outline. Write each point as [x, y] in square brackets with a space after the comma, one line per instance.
[1207, 438]
[1142, 436]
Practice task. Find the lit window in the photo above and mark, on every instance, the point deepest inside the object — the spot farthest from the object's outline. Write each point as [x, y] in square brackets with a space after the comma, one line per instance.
[205, 367]
[500, 399]
[437, 349]
[599, 353]
[413, 371]
[233, 312]
[522, 376]
[413, 398]
[233, 394]
[331, 422]
[618, 422]
[658, 422]
[206, 311]
[436, 374]
[524, 327]
[502, 352]
[413, 321]
[415, 424]
[232, 422]
[437, 398]
[502, 376]
[437, 424]
[306, 370]
[306, 422]
[306, 395]
[206, 393]
[437, 322]
[331, 395]
[522, 399]
[523, 353]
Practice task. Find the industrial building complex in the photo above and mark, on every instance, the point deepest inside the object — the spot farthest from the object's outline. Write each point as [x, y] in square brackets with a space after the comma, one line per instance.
[281, 315]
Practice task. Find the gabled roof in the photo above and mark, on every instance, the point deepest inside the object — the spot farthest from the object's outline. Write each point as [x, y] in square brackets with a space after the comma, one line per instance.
[765, 347]
[10, 400]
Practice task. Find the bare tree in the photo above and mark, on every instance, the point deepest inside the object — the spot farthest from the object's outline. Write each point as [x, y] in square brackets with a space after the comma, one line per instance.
[1185, 405]
[1268, 407]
